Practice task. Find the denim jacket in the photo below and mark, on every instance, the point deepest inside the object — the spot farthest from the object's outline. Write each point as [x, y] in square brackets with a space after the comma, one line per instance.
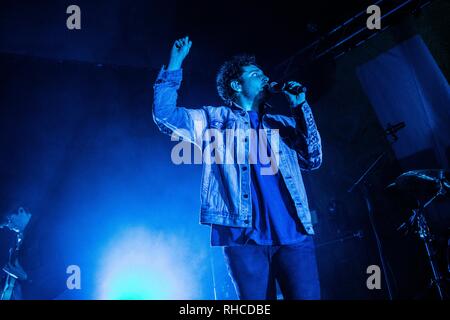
[225, 188]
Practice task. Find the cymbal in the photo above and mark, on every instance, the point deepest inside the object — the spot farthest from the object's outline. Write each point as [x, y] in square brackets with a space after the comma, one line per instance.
[421, 185]
[424, 176]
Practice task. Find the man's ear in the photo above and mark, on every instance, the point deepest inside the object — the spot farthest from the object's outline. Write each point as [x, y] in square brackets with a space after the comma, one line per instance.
[236, 86]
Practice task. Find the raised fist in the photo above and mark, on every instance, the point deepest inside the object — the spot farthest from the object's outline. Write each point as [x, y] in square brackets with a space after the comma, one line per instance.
[180, 50]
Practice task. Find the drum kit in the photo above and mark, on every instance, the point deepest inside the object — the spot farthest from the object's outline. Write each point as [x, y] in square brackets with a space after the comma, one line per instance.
[420, 188]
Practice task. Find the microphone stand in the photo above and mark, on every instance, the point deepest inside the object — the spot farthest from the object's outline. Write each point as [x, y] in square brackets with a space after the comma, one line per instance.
[362, 183]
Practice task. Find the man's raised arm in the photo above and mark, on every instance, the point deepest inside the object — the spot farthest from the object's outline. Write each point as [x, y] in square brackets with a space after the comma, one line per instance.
[186, 123]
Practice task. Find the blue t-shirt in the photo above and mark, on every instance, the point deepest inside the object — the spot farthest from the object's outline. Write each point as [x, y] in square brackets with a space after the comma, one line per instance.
[275, 220]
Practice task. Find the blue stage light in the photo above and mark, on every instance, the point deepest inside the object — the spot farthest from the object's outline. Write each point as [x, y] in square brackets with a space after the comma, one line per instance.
[139, 265]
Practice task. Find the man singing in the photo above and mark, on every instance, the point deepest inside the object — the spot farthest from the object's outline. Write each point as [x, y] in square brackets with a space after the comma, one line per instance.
[261, 220]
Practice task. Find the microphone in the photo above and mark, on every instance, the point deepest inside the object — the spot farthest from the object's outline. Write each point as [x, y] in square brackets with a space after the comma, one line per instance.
[276, 87]
[392, 129]
[395, 127]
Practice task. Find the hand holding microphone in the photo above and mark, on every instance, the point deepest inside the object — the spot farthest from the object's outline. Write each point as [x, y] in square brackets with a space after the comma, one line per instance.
[291, 87]
[294, 91]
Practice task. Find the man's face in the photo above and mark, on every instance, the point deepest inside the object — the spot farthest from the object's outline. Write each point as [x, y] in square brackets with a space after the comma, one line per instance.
[254, 83]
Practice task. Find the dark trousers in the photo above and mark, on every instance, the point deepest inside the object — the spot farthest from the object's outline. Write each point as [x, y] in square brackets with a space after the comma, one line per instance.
[255, 268]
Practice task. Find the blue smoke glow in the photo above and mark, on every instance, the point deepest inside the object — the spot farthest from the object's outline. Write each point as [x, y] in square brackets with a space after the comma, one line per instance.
[141, 265]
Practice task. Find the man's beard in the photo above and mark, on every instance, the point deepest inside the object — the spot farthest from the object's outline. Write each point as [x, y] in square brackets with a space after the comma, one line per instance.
[262, 98]
[264, 95]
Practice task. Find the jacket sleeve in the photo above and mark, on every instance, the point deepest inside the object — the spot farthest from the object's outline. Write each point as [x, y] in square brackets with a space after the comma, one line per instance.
[307, 140]
[188, 124]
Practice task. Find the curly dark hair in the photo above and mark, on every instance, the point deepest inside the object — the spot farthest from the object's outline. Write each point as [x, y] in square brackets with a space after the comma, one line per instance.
[232, 70]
